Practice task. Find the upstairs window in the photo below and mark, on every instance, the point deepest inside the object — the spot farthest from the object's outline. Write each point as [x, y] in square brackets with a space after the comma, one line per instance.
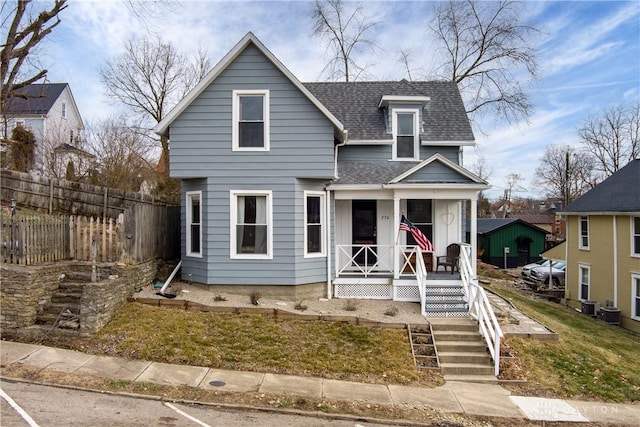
[405, 133]
[635, 236]
[64, 110]
[584, 232]
[250, 120]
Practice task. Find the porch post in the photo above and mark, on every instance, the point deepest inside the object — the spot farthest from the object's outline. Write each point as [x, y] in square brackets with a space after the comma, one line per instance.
[474, 236]
[329, 243]
[396, 248]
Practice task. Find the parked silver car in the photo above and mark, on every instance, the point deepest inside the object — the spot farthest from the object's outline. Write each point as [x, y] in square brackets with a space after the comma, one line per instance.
[541, 274]
[526, 270]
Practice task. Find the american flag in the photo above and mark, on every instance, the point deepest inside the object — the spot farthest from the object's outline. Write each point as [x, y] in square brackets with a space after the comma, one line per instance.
[423, 242]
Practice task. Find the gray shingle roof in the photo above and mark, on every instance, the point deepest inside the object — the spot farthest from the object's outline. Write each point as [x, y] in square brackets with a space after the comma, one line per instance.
[488, 225]
[38, 98]
[618, 193]
[355, 104]
[370, 172]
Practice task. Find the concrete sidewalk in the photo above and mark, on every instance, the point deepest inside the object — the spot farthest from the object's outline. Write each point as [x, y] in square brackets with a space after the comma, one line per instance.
[453, 397]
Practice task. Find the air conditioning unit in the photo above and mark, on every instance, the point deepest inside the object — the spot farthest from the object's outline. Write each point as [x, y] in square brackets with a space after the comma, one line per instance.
[590, 308]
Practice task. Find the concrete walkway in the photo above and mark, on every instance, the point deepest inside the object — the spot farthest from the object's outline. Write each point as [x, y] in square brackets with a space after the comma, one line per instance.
[453, 397]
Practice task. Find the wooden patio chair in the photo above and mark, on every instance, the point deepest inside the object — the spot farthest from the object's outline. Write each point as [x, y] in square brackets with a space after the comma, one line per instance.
[450, 259]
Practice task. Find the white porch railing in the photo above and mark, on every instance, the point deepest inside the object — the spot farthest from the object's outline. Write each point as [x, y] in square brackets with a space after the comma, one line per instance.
[365, 260]
[377, 260]
[480, 307]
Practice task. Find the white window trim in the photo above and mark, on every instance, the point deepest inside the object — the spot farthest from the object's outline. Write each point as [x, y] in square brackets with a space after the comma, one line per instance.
[323, 208]
[64, 110]
[634, 232]
[416, 132]
[580, 245]
[233, 250]
[189, 196]
[634, 277]
[235, 137]
[580, 268]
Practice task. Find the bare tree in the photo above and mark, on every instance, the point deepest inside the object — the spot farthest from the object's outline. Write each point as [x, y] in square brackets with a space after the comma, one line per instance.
[566, 172]
[346, 36]
[613, 137]
[486, 45]
[513, 184]
[123, 153]
[25, 30]
[149, 78]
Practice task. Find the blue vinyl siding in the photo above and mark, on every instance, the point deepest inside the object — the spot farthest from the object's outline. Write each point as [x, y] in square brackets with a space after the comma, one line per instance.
[300, 158]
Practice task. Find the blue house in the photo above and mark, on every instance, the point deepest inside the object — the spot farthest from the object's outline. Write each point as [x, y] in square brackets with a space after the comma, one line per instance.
[298, 189]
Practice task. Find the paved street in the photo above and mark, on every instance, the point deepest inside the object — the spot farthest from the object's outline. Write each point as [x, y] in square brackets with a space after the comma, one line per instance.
[52, 406]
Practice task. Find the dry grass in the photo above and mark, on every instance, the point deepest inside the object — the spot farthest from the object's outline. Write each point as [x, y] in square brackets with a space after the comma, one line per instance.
[592, 359]
[256, 343]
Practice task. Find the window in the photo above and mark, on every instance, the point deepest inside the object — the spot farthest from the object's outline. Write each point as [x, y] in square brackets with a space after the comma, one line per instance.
[64, 110]
[405, 134]
[419, 212]
[194, 223]
[250, 120]
[71, 137]
[19, 123]
[635, 297]
[585, 277]
[314, 210]
[635, 235]
[251, 224]
[584, 232]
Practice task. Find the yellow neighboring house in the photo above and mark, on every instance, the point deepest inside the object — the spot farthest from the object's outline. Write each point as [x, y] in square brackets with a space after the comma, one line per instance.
[603, 248]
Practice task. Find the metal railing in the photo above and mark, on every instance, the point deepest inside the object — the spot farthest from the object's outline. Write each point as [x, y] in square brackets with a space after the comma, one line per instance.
[479, 307]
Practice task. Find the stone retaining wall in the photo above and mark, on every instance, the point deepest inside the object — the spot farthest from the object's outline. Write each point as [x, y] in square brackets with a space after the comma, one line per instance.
[25, 289]
[100, 300]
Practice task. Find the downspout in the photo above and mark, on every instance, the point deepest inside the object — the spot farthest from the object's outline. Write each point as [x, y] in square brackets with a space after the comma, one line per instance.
[328, 213]
[615, 260]
[335, 153]
[329, 246]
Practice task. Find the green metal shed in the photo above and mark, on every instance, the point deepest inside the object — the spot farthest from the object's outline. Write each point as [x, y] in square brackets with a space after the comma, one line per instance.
[509, 241]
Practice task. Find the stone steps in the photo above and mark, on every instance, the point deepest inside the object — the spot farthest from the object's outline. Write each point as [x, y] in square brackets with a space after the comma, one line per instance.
[462, 352]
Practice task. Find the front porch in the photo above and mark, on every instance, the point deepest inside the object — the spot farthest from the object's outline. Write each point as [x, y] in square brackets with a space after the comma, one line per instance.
[369, 272]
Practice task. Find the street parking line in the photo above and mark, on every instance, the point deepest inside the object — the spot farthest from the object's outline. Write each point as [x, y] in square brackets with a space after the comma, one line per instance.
[18, 409]
[184, 414]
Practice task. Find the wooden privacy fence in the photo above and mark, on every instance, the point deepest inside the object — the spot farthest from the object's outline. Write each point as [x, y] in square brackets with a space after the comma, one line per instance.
[38, 239]
[143, 232]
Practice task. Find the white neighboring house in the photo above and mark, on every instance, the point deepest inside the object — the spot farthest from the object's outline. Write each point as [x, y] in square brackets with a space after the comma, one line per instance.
[50, 112]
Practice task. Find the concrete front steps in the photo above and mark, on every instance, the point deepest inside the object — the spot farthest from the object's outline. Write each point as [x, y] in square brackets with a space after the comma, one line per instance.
[462, 351]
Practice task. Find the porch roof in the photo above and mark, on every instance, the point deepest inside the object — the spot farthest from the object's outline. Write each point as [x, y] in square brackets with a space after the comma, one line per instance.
[435, 170]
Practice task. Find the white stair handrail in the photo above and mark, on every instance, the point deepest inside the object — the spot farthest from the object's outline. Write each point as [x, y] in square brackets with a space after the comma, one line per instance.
[480, 308]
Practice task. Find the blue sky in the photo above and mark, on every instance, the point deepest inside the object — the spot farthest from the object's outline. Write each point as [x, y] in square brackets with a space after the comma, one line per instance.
[589, 58]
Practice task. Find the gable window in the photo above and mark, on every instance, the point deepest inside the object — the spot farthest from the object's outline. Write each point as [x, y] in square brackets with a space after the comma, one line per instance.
[64, 110]
[405, 133]
[635, 297]
[251, 230]
[585, 279]
[584, 232]
[314, 208]
[194, 223]
[250, 120]
[635, 236]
